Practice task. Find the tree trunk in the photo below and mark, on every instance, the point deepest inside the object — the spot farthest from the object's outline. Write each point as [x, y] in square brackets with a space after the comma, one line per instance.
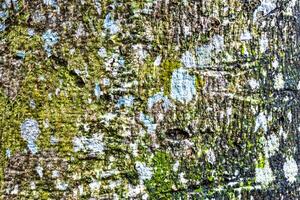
[150, 99]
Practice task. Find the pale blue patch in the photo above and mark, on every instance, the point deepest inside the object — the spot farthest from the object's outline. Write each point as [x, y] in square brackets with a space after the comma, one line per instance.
[102, 52]
[157, 61]
[159, 97]
[8, 153]
[15, 4]
[32, 104]
[125, 101]
[30, 132]
[2, 27]
[245, 36]
[4, 6]
[266, 7]
[11, 4]
[110, 24]
[61, 185]
[121, 61]
[98, 6]
[217, 43]
[32, 147]
[52, 3]
[183, 87]
[21, 54]
[97, 90]
[39, 170]
[38, 16]
[188, 60]
[31, 32]
[53, 140]
[144, 172]
[93, 145]
[50, 38]
[148, 122]
[203, 55]
[3, 15]
[106, 81]
[261, 122]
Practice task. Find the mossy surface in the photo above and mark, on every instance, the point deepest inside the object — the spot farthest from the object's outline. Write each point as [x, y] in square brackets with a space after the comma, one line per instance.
[99, 87]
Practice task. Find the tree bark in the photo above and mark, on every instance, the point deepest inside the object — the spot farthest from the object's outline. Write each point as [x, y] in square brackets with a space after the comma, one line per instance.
[150, 99]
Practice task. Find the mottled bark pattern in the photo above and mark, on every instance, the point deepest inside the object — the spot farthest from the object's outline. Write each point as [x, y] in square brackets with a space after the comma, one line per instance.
[150, 99]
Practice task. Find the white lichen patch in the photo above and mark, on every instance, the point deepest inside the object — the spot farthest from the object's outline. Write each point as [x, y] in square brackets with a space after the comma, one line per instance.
[30, 132]
[106, 81]
[31, 32]
[50, 2]
[271, 145]
[134, 191]
[32, 185]
[13, 190]
[108, 117]
[81, 190]
[8, 153]
[53, 140]
[97, 91]
[140, 52]
[50, 39]
[275, 63]
[176, 166]
[94, 186]
[254, 84]
[283, 133]
[126, 101]
[211, 158]
[114, 184]
[159, 97]
[217, 43]
[279, 82]
[245, 36]
[264, 175]
[290, 116]
[265, 8]
[102, 52]
[203, 55]
[261, 122]
[110, 24]
[60, 185]
[290, 169]
[182, 180]
[55, 174]
[134, 149]
[157, 61]
[187, 30]
[188, 60]
[92, 145]
[39, 171]
[144, 172]
[32, 104]
[148, 122]
[80, 31]
[183, 87]
[263, 43]
[290, 7]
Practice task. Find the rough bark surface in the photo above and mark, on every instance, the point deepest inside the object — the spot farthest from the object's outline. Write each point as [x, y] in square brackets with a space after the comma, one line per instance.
[150, 99]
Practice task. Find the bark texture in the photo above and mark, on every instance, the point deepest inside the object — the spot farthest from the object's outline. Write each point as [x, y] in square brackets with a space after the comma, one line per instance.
[150, 99]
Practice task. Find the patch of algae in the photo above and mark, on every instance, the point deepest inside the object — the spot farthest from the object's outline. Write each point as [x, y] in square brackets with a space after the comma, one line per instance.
[160, 185]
